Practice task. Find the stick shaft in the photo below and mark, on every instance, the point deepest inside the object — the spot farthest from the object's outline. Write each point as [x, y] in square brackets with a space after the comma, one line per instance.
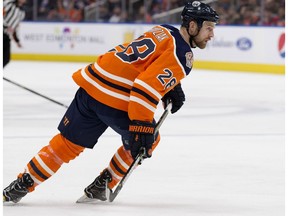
[138, 159]
[34, 92]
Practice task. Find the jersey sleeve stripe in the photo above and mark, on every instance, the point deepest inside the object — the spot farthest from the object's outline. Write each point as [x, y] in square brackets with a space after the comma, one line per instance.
[144, 94]
[102, 89]
[113, 77]
[121, 88]
[149, 88]
[143, 103]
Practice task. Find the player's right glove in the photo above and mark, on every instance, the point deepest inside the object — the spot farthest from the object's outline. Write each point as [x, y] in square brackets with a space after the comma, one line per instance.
[141, 135]
[176, 96]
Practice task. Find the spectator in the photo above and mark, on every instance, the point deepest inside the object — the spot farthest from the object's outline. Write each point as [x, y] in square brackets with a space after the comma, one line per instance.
[232, 12]
[46, 8]
[269, 19]
[103, 13]
[113, 4]
[281, 16]
[68, 12]
[142, 16]
[116, 15]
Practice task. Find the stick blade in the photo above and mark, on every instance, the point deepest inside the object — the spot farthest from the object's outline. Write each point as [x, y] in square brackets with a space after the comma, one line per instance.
[113, 195]
[108, 192]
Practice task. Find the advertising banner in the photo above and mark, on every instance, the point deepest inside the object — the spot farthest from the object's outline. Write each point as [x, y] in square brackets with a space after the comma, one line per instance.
[231, 45]
[246, 45]
[72, 38]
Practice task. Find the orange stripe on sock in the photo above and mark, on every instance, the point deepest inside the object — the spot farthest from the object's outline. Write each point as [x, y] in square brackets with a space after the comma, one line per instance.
[49, 157]
[125, 155]
[116, 169]
[127, 158]
[65, 149]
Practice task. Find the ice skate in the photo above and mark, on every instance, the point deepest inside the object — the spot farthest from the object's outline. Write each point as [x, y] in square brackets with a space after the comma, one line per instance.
[97, 190]
[18, 188]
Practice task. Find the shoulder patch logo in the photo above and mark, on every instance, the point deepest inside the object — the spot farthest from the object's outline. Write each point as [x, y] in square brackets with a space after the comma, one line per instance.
[189, 59]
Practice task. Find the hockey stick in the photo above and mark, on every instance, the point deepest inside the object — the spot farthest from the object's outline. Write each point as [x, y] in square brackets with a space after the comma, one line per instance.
[138, 160]
[34, 92]
[111, 195]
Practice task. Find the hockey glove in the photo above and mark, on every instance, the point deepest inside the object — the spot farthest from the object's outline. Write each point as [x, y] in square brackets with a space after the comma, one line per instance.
[176, 96]
[141, 135]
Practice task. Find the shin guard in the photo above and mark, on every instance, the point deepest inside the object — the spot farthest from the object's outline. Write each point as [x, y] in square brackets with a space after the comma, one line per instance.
[50, 158]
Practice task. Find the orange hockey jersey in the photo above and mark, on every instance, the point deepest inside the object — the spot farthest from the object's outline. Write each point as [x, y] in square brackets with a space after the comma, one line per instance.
[133, 77]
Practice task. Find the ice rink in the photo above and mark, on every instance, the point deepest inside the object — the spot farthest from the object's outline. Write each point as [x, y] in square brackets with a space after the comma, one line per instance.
[222, 154]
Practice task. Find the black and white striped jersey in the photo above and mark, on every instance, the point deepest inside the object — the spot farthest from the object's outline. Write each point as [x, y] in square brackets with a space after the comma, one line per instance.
[12, 16]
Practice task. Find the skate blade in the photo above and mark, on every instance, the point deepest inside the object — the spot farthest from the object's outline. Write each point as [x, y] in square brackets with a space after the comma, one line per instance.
[9, 203]
[85, 199]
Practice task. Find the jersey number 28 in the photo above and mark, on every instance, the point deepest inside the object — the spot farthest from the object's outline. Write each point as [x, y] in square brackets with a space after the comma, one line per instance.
[136, 50]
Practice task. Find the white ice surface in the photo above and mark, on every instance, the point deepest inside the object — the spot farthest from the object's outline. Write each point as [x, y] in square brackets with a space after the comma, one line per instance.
[222, 154]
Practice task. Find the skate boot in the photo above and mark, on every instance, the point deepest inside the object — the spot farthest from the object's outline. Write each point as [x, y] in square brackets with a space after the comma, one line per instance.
[97, 189]
[18, 188]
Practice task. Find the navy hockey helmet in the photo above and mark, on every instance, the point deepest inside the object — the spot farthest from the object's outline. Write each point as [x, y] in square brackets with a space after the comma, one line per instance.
[198, 11]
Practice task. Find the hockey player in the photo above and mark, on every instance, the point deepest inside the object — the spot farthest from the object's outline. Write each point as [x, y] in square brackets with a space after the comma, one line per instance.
[121, 90]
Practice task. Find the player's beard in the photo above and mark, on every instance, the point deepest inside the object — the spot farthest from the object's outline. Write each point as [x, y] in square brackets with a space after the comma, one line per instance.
[200, 44]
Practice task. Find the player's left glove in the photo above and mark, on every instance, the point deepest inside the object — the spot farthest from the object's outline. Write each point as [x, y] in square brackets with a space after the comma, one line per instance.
[141, 135]
[176, 96]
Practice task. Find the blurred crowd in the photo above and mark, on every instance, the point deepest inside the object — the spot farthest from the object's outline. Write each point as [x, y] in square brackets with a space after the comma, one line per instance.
[232, 12]
[251, 12]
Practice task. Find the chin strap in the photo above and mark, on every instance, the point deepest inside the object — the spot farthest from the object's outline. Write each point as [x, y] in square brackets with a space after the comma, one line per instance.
[192, 36]
[191, 42]
[199, 26]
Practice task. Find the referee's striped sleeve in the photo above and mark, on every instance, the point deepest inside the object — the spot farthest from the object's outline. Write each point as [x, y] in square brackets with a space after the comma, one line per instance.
[14, 15]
